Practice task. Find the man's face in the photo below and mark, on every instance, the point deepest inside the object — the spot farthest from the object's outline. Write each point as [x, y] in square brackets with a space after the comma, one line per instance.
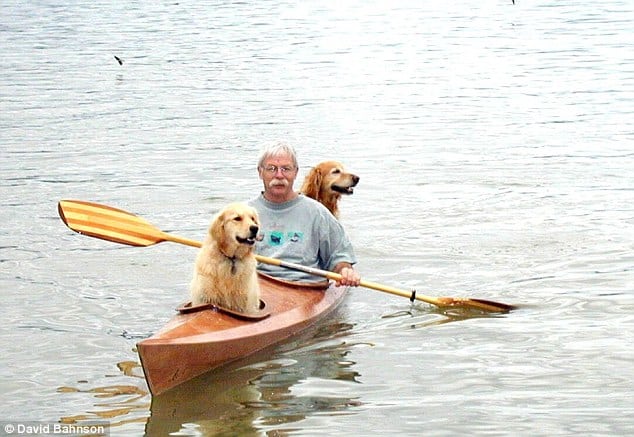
[278, 175]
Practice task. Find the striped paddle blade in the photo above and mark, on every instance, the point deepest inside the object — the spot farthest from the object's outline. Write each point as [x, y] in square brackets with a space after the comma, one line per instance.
[108, 223]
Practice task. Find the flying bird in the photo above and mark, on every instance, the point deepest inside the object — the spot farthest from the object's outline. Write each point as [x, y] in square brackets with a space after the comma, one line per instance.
[119, 60]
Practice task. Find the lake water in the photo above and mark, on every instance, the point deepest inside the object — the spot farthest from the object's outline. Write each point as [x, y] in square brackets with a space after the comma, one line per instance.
[495, 145]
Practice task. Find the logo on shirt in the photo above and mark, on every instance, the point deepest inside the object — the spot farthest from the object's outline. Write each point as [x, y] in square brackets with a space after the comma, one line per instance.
[277, 238]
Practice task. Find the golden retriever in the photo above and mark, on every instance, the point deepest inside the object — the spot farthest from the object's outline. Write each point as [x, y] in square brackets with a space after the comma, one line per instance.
[326, 182]
[224, 272]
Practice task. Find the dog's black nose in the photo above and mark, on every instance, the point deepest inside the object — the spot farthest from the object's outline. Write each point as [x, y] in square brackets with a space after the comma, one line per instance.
[254, 230]
[355, 179]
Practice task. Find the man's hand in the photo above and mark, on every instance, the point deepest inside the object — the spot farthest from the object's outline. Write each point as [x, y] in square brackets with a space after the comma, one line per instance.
[349, 276]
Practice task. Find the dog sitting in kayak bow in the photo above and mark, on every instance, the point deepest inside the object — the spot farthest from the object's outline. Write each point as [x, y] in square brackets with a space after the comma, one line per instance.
[225, 269]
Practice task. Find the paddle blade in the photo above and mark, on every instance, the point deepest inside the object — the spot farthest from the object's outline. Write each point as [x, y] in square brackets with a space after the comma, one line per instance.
[475, 304]
[108, 223]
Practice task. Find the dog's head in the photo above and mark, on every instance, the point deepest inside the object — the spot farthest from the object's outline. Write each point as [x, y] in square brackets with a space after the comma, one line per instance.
[235, 229]
[329, 177]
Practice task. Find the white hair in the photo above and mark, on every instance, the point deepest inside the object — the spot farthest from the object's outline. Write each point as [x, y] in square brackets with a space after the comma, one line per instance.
[276, 149]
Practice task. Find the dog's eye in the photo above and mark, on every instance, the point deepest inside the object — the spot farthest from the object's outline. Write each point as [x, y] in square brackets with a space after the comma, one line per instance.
[336, 171]
[237, 219]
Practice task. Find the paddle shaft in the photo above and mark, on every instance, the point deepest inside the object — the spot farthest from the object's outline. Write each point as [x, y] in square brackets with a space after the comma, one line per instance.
[337, 277]
[116, 225]
[411, 295]
[310, 270]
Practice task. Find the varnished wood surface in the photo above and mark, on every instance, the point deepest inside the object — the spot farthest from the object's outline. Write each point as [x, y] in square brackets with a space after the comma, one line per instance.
[194, 343]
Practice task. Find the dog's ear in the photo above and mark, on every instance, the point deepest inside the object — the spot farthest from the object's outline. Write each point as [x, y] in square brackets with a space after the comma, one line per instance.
[255, 217]
[312, 183]
[217, 228]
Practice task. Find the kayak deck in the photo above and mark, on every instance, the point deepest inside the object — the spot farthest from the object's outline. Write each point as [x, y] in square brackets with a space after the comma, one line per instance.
[194, 343]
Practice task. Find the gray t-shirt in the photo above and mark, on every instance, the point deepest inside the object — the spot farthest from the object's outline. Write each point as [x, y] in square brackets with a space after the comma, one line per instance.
[301, 231]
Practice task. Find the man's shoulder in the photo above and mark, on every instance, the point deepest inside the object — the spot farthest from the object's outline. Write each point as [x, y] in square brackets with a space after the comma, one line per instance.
[312, 204]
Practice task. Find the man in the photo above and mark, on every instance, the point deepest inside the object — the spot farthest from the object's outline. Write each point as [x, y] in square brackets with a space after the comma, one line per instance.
[296, 228]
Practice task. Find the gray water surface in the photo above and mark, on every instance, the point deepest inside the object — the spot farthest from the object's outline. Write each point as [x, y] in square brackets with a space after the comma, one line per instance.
[495, 148]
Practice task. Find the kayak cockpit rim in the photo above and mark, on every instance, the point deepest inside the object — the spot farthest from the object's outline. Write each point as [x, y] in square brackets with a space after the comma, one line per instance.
[262, 312]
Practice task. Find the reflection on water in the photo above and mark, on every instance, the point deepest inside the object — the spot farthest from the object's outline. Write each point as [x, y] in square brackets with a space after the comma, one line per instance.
[118, 404]
[268, 392]
[303, 376]
[414, 319]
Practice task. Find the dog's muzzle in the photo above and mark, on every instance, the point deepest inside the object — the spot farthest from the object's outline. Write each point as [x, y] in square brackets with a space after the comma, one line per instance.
[250, 240]
[349, 189]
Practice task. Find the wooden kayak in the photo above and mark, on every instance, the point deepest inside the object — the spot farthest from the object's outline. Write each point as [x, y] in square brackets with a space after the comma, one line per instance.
[195, 342]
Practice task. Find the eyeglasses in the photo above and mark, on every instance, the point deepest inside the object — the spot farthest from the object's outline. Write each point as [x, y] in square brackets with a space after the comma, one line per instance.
[272, 169]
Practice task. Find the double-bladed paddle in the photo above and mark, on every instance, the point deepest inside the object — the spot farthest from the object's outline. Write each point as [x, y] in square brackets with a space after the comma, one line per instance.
[112, 224]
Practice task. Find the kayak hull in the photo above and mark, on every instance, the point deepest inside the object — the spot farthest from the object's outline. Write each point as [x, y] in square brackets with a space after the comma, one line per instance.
[195, 342]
